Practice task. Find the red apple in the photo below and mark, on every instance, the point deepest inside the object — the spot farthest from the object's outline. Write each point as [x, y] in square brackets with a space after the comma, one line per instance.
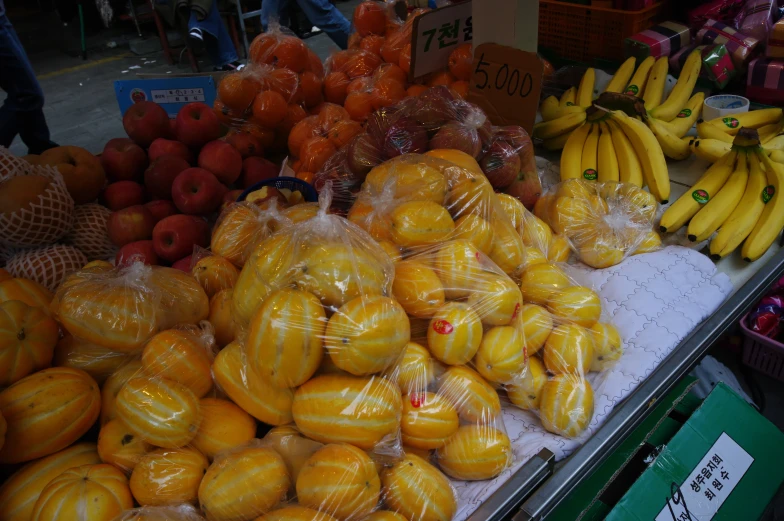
[175, 236]
[160, 176]
[183, 264]
[161, 208]
[197, 192]
[123, 160]
[196, 125]
[123, 194]
[246, 143]
[222, 159]
[131, 224]
[527, 188]
[501, 164]
[145, 121]
[169, 147]
[255, 169]
[136, 251]
[230, 198]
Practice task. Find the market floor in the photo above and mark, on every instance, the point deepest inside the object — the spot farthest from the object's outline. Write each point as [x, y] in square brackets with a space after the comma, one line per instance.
[81, 108]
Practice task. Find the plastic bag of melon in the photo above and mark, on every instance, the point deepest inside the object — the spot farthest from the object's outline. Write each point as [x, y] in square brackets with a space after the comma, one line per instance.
[183, 512]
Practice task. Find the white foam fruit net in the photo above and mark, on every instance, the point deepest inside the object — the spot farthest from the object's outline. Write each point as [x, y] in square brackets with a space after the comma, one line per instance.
[89, 232]
[48, 265]
[47, 218]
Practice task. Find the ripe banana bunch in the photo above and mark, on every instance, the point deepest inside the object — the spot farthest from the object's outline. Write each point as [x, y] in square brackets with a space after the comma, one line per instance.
[561, 117]
[740, 197]
[616, 147]
[715, 137]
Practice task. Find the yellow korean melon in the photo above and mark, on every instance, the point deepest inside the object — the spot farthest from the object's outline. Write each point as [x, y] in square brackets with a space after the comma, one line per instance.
[47, 411]
[285, 341]
[537, 324]
[160, 411]
[454, 333]
[239, 227]
[254, 393]
[182, 356]
[168, 476]
[341, 480]
[408, 181]
[183, 301]
[417, 490]
[417, 288]
[223, 426]
[458, 265]
[97, 361]
[348, 409]
[87, 493]
[475, 400]
[535, 232]
[475, 452]
[542, 281]
[501, 357]
[337, 272]
[569, 349]
[428, 420]
[526, 393]
[119, 446]
[533, 256]
[420, 223]
[476, 230]
[577, 304]
[28, 291]
[296, 513]
[293, 447]
[242, 484]
[558, 249]
[566, 405]
[385, 515]
[20, 491]
[513, 208]
[415, 370]
[372, 219]
[607, 346]
[27, 340]
[507, 249]
[367, 335]
[221, 317]
[496, 299]
[469, 192]
[4, 275]
[457, 157]
[113, 384]
[215, 273]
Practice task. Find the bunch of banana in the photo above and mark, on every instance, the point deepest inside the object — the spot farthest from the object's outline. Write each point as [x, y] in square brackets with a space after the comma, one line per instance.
[612, 146]
[739, 195]
[561, 117]
[715, 137]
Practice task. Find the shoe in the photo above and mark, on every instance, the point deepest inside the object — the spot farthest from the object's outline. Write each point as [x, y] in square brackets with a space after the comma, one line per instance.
[233, 66]
[196, 40]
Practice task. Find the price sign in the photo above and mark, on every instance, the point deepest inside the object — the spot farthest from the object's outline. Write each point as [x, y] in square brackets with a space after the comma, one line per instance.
[436, 34]
[506, 84]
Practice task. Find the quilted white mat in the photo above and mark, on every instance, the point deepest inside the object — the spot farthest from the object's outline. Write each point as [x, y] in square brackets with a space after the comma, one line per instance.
[654, 300]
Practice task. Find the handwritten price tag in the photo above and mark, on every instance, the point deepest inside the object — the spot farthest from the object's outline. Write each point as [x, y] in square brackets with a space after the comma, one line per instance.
[506, 83]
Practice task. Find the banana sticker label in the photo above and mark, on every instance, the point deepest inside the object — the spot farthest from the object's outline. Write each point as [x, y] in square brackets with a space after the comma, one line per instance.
[701, 196]
[685, 113]
[730, 122]
[569, 104]
[632, 89]
[590, 174]
[767, 193]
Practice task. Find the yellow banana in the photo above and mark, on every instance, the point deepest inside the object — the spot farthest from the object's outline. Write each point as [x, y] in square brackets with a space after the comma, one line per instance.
[753, 119]
[621, 77]
[608, 161]
[774, 143]
[706, 131]
[710, 150]
[771, 221]
[682, 90]
[585, 91]
[671, 145]
[571, 156]
[589, 163]
[568, 97]
[768, 132]
[549, 108]
[629, 168]
[688, 204]
[742, 220]
[654, 166]
[719, 207]
[777, 156]
[556, 143]
[687, 117]
[636, 85]
[557, 127]
[654, 90]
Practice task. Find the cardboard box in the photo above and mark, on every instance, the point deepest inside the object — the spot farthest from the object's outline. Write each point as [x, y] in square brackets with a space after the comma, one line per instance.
[725, 464]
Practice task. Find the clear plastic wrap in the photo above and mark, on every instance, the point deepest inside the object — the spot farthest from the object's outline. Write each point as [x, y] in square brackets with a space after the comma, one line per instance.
[184, 512]
[756, 18]
[214, 273]
[122, 308]
[99, 362]
[603, 222]
[168, 477]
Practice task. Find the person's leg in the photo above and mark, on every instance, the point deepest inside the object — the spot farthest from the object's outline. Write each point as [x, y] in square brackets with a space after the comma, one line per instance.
[270, 9]
[217, 40]
[22, 112]
[328, 18]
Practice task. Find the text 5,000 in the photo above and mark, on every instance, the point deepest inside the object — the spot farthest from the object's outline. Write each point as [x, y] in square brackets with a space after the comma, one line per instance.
[514, 82]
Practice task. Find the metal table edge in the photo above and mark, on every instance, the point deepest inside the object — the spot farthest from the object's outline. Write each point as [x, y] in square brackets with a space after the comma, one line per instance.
[542, 495]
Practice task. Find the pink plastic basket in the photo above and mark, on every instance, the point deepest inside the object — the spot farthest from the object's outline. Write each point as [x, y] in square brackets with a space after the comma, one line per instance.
[762, 353]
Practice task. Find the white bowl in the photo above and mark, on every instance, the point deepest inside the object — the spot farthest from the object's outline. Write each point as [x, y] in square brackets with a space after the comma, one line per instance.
[723, 105]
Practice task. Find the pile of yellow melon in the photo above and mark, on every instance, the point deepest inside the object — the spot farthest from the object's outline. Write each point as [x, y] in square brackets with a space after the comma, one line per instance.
[603, 222]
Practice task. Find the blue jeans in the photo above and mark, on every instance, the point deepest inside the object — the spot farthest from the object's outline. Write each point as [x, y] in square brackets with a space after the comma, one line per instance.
[22, 112]
[218, 42]
[321, 13]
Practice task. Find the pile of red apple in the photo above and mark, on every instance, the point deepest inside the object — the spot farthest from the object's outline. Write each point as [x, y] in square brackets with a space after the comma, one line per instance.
[169, 179]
